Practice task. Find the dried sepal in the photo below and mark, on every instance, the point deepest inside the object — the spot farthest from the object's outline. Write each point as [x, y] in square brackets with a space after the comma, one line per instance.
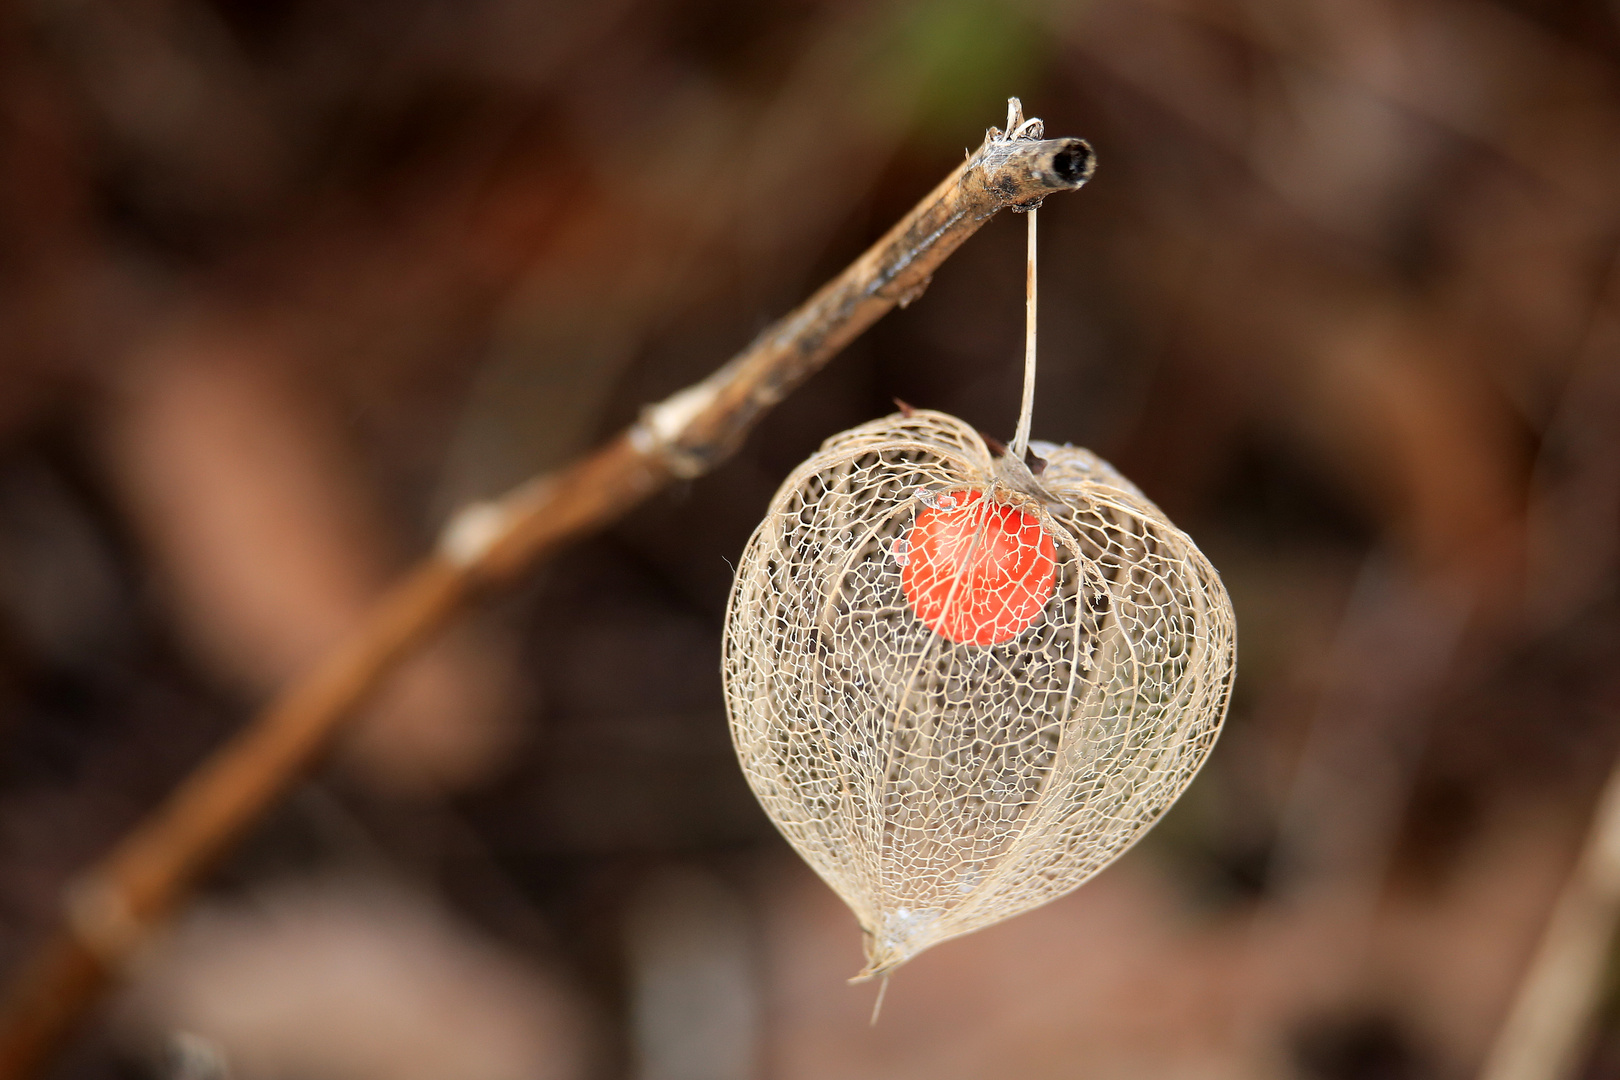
[938, 777]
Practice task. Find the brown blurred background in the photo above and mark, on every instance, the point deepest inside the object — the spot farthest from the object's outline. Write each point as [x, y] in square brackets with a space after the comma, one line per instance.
[282, 283]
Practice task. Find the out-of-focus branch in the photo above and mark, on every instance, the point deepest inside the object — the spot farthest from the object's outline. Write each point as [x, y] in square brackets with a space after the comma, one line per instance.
[1551, 1018]
[110, 911]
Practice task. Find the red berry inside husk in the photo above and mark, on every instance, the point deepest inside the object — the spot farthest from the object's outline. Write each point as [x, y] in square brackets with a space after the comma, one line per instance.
[976, 571]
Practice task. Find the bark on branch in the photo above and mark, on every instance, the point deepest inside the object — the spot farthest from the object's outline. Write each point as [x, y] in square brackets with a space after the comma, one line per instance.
[113, 906]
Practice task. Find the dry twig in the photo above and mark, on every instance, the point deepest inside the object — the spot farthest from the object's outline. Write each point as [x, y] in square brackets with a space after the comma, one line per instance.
[1551, 1018]
[110, 911]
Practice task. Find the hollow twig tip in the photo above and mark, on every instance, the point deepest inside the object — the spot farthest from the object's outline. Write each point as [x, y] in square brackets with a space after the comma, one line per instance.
[1076, 162]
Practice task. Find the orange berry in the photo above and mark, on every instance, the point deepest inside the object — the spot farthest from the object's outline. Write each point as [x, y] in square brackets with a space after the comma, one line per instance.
[977, 572]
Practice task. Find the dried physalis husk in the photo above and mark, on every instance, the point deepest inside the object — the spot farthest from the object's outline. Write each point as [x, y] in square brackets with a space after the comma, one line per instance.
[960, 689]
